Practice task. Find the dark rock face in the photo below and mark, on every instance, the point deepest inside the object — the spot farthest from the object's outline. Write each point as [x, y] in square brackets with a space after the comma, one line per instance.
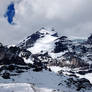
[61, 44]
[10, 56]
[89, 41]
[11, 59]
[14, 60]
[24, 53]
[6, 71]
[6, 75]
[18, 60]
[84, 72]
[79, 49]
[2, 52]
[60, 47]
[84, 49]
[30, 40]
[11, 67]
[14, 50]
[72, 60]
[80, 84]
[55, 35]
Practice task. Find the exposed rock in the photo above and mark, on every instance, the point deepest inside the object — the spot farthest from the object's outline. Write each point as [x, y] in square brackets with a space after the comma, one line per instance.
[25, 53]
[6, 75]
[30, 40]
[10, 56]
[72, 60]
[14, 60]
[89, 41]
[38, 66]
[2, 53]
[79, 83]
[84, 72]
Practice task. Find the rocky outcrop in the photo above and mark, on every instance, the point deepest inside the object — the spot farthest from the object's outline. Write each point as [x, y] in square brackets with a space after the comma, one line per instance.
[72, 60]
[89, 41]
[61, 44]
[80, 84]
[2, 52]
[30, 40]
[10, 56]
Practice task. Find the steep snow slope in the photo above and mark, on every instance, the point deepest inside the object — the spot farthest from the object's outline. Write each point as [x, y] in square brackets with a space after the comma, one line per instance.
[46, 43]
[43, 41]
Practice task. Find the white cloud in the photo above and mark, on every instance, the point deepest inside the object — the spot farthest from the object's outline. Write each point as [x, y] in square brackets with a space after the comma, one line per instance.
[69, 17]
[82, 30]
[56, 8]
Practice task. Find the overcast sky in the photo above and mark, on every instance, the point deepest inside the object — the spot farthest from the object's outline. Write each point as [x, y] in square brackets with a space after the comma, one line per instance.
[69, 17]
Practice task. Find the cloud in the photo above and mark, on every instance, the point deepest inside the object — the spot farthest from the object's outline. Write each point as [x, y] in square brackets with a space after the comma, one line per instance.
[62, 9]
[69, 17]
[81, 30]
[55, 9]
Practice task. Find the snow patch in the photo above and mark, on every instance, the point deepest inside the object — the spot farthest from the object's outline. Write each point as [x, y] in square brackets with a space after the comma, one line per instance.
[43, 44]
[28, 61]
[55, 69]
[87, 76]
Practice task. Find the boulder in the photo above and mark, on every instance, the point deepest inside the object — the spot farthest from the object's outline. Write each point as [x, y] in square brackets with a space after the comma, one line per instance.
[6, 75]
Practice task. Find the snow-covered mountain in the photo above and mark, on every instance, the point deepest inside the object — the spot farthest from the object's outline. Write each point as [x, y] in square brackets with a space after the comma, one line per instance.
[45, 43]
[46, 62]
[42, 40]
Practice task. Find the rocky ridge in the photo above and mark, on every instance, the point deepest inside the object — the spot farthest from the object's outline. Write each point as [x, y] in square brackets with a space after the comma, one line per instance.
[45, 49]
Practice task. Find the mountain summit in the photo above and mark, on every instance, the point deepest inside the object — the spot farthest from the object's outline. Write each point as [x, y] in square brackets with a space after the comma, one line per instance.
[42, 40]
[41, 56]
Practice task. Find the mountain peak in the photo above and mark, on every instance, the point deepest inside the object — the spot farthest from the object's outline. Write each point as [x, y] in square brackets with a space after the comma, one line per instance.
[45, 41]
[43, 35]
[48, 32]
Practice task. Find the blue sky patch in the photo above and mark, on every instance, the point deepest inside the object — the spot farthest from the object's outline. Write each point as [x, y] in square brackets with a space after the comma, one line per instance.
[10, 13]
